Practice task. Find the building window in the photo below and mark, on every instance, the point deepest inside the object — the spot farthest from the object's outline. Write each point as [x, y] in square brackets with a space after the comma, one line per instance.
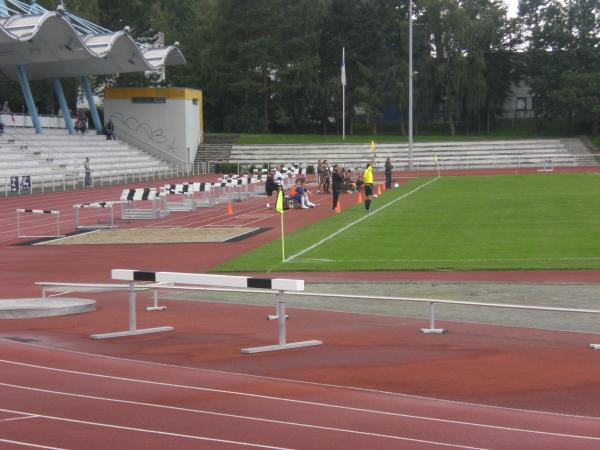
[149, 100]
[521, 103]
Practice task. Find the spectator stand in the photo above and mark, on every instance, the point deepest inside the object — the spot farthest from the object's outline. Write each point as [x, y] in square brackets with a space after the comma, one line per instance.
[104, 216]
[145, 203]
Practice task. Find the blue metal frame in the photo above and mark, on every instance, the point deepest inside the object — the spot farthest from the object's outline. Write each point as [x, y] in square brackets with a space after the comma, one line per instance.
[29, 99]
[60, 95]
[85, 83]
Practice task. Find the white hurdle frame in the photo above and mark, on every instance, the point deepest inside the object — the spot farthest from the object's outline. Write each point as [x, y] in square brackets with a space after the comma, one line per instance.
[41, 212]
[99, 207]
[280, 285]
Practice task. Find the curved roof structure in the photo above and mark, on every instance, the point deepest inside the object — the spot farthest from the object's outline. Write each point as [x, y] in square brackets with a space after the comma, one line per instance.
[54, 44]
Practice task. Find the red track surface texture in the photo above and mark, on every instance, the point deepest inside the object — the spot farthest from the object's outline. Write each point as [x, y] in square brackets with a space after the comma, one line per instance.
[374, 384]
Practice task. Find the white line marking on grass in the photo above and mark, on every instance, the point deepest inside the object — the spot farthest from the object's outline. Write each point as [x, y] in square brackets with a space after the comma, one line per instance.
[27, 444]
[278, 399]
[241, 417]
[448, 260]
[341, 230]
[143, 430]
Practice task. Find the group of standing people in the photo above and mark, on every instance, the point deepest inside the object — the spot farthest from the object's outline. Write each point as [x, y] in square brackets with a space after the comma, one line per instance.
[334, 180]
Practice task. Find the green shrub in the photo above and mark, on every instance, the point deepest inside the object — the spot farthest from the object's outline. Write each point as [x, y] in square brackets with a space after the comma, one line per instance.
[227, 168]
[310, 170]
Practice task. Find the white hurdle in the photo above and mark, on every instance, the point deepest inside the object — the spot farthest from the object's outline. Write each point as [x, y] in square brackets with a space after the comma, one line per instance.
[44, 212]
[276, 284]
[99, 207]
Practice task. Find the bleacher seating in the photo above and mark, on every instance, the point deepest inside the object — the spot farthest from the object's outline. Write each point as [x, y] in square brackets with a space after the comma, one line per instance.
[54, 153]
[450, 154]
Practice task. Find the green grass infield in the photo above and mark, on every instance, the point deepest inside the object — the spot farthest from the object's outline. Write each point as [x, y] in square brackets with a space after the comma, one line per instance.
[539, 221]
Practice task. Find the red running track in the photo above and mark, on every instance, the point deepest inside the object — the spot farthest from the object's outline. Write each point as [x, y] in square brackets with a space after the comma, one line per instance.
[78, 400]
[75, 400]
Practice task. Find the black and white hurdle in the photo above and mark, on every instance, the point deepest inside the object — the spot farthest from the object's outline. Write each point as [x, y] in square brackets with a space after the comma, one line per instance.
[43, 212]
[99, 207]
[131, 204]
[280, 285]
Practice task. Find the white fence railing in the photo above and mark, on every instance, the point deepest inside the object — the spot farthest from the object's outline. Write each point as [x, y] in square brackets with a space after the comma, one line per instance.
[74, 287]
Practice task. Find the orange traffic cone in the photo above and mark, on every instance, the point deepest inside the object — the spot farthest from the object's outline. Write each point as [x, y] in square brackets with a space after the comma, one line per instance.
[338, 208]
[383, 188]
[379, 190]
[359, 199]
[229, 209]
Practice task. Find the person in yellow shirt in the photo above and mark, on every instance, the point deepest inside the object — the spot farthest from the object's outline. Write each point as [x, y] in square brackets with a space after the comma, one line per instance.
[368, 180]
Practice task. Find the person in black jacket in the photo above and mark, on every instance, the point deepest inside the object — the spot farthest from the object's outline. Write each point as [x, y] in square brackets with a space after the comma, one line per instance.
[388, 173]
[270, 187]
[336, 185]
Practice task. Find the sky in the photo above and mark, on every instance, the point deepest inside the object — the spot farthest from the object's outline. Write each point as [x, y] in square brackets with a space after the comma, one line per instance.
[513, 6]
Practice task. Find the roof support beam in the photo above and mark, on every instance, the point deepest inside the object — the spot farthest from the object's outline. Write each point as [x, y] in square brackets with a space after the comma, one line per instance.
[85, 83]
[3, 9]
[29, 99]
[60, 95]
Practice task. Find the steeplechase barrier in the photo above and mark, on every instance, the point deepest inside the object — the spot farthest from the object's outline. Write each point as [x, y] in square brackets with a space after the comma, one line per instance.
[278, 285]
[281, 289]
[36, 212]
[143, 203]
[106, 222]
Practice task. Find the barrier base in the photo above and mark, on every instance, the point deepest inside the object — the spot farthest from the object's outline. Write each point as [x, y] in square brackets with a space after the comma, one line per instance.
[276, 317]
[131, 333]
[433, 330]
[272, 348]
[156, 308]
[595, 346]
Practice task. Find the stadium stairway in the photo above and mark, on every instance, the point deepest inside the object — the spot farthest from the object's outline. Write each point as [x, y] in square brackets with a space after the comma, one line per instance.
[529, 153]
[213, 153]
[51, 155]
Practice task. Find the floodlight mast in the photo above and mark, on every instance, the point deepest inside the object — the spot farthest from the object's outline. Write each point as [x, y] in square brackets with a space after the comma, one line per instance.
[410, 84]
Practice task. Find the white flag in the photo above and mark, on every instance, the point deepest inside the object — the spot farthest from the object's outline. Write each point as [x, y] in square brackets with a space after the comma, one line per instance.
[343, 66]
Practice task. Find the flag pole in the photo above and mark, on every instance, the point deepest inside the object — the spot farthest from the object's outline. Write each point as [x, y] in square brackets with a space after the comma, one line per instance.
[343, 93]
[279, 209]
[282, 240]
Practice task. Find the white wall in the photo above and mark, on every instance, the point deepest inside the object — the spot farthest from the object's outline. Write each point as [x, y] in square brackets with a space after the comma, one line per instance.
[166, 130]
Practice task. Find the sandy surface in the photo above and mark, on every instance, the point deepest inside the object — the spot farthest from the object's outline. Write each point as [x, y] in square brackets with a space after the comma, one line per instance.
[152, 236]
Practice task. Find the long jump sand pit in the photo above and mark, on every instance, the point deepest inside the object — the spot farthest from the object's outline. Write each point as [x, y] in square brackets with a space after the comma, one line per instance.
[155, 236]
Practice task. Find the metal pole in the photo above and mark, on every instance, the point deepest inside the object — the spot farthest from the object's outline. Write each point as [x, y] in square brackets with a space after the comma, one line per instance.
[344, 97]
[410, 85]
[132, 317]
[281, 317]
[29, 99]
[87, 90]
[60, 95]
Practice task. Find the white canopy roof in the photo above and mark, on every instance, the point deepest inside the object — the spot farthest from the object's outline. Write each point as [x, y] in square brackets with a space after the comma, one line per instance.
[48, 45]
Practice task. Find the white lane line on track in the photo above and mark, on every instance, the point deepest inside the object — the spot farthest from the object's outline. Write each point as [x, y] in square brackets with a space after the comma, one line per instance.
[351, 224]
[301, 402]
[12, 419]
[240, 417]
[29, 444]
[307, 383]
[144, 430]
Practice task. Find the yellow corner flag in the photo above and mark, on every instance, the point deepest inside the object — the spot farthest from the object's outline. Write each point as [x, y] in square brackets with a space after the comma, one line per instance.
[279, 204]
[279, 209]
